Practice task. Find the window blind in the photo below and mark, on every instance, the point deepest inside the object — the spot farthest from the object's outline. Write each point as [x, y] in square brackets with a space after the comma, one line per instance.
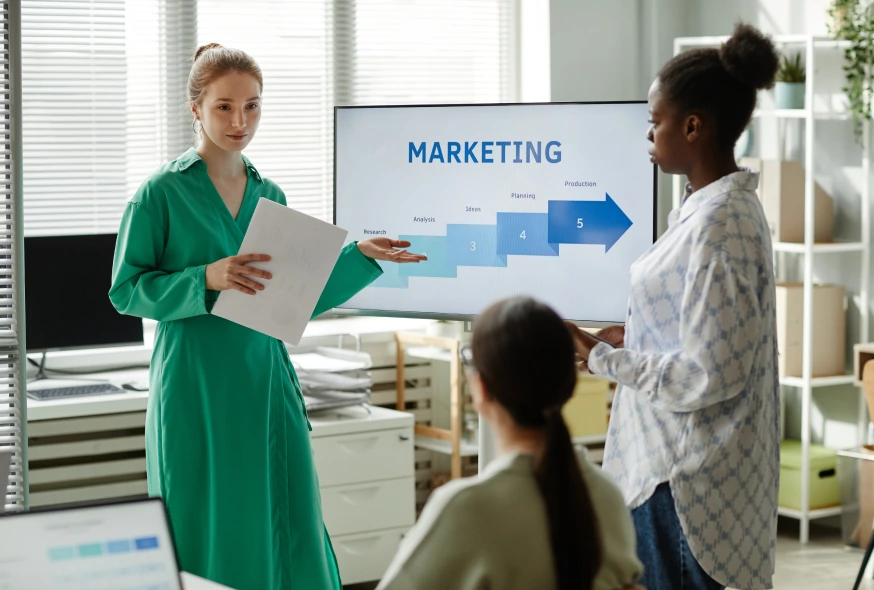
[74, 108]
[104, 87]
[12, 399]
[103, 105]
[424, 51]
[318, 53]
[290, 41]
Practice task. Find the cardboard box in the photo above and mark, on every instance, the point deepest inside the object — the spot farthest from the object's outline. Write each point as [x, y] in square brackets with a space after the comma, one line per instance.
[781, 190]
[586, 412]
[862, 353]
[829, 329]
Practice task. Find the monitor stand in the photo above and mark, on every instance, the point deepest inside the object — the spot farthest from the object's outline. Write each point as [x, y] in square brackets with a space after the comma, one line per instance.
[41, 374]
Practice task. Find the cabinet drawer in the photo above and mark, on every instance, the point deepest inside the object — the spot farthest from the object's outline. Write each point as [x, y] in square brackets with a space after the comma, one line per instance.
[368, 456]
[364, 558]
[371, 506]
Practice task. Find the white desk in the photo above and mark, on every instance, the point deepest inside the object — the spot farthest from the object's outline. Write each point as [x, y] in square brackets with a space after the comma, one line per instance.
[93, 405]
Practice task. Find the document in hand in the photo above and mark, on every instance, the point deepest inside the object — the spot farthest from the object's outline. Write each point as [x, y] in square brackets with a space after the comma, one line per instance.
[303, 252]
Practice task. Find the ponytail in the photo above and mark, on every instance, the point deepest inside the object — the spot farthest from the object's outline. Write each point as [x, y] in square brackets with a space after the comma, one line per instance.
[573, 527]
[524, 355]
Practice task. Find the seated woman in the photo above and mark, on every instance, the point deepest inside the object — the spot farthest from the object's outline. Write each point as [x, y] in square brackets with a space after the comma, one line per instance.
[540, 516]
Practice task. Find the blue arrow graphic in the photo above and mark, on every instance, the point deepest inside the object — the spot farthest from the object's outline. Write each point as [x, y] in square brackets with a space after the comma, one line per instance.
[587, 222]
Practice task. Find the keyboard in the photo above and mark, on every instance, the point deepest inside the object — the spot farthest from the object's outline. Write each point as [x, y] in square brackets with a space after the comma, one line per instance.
[74, 391]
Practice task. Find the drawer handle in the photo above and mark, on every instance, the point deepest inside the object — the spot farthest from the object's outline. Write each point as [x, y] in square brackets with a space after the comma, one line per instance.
[361, 445]
[360, 496]
[403, 437]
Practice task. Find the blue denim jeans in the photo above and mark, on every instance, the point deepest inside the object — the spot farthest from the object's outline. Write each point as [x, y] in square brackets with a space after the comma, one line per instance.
[661, 546]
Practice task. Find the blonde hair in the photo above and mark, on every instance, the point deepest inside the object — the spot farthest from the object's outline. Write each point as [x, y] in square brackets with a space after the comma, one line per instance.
[212, 61]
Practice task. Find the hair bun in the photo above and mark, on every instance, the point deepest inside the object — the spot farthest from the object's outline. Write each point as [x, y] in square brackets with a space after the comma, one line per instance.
[749, 56]
[204, 48]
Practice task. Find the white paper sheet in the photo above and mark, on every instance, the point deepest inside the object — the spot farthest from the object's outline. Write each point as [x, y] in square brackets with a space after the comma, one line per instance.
[313, 361]
[303, 252]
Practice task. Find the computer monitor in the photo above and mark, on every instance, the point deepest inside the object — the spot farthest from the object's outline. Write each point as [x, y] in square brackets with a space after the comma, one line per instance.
[66, 290]
[121, 545]
[554, 201]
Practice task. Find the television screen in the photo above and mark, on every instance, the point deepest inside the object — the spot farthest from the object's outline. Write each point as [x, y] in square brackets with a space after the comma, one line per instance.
[555, 201]
[66, 286]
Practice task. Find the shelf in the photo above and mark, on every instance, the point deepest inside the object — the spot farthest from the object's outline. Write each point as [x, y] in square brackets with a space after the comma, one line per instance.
[829, 248]
[819, 381]
[818, 42]
[445, 447]
[812, 514]
[431, 353]
[801, 114]
[781, 113]
[592, 439]
[595, 455]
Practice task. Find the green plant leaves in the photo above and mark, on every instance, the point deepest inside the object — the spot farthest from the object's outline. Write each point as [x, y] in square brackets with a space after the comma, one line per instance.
[853, 22]
[791, 70]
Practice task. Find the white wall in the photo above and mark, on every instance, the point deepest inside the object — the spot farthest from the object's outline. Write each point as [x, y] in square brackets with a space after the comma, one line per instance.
[594, 50]
[612, 51]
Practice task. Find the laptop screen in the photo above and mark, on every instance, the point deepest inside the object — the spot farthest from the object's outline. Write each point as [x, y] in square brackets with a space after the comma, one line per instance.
[116, 546]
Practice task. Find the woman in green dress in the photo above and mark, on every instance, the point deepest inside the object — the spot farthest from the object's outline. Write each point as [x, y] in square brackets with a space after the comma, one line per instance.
[227, 437]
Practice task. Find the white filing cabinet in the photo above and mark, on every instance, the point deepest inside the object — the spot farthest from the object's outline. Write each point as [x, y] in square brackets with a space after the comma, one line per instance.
[367, 480]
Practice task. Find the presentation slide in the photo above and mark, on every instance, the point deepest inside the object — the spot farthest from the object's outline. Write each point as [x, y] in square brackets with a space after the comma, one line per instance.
[555, 201]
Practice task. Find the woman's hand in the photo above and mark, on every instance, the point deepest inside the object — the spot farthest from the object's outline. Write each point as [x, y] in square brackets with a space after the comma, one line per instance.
[585, 342]
[615, 335]
[386, 249]
[232, 273]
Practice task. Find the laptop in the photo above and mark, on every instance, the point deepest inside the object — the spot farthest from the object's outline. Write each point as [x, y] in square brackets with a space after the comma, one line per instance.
[124, 545]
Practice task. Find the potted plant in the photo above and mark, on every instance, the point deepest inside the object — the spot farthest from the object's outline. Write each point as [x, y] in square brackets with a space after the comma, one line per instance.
[853, 21]
[791, 77]
[839, 15]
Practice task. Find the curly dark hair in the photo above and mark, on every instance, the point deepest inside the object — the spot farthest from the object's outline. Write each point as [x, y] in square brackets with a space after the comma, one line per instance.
[721, 84]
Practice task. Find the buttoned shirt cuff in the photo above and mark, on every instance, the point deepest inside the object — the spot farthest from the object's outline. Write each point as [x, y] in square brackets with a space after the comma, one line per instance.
[598, 359]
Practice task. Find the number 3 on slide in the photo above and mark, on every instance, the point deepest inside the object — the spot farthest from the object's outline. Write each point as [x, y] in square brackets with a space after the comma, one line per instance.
[473, 246]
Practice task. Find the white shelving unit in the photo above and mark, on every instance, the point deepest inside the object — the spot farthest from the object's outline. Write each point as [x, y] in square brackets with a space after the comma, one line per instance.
[810, 47]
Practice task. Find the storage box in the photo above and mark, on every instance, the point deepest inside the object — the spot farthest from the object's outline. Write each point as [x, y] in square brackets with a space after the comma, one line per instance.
[829, 329]
[586, 412]
[825, 489]
[781, 190]
[862, 353]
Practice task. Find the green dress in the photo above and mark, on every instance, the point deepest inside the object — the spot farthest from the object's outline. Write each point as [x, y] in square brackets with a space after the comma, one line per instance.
[227, 437]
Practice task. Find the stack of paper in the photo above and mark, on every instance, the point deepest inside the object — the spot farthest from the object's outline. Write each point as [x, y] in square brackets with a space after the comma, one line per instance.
[332, 378]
